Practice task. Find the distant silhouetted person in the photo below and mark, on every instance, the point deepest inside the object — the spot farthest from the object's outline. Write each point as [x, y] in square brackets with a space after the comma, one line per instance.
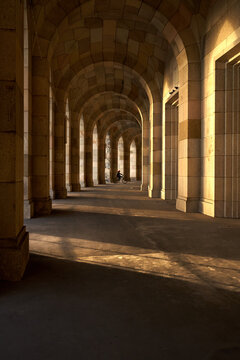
[119, 175]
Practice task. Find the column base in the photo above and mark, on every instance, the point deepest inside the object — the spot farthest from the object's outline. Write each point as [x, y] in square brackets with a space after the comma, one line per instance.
[42, 207]
[28, 209]
[167, 194]
[207, 207]
[101, 182]
[89, 184]
[188, 205]
[60, 193]
[163, 194]
[153, 193]
[144, 187]
[14, 255]
[76, 187]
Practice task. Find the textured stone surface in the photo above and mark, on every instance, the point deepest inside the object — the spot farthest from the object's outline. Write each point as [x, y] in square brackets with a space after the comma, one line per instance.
[14, 257]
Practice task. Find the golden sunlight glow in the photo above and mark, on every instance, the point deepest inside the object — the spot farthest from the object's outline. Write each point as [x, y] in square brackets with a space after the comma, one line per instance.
[235, 58]
[197, 269]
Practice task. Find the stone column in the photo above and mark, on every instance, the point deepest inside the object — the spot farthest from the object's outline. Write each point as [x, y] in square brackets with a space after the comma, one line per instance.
[126, 160]
[145, 153]
[226, 135]
[52, 106]
[74, 149]
[138, 159]
[88, 163]
[40, 137]
[68, 141]
[155, 150]
[60, 191]
[14, 248]
[114, 159]
[170, 150]
[189, 146]
[101, 158]
[28, 205]
[81, 152]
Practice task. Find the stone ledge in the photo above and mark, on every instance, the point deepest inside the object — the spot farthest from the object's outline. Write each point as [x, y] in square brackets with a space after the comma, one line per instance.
[153, 193]
[187, 205]
[144, 187]
[206, 207]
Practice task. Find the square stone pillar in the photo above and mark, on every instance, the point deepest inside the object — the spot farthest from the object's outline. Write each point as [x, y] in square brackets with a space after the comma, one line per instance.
[189, 137]
[88, 163]
[75, 152]
[138, 159]
[40, 137]
[14, 248]
[60, 190]
[28, 204]
[101, 158]
[170, 149]
[145, 154]
[226, 194]
[126, 160]
[114, 159]
[52, 105]
[155, 150]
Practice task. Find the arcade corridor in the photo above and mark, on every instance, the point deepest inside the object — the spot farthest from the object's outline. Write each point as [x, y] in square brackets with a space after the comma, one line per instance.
[117, 225]
[93, 269]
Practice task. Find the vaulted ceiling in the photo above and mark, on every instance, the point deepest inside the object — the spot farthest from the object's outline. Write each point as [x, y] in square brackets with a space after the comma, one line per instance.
[107, 57]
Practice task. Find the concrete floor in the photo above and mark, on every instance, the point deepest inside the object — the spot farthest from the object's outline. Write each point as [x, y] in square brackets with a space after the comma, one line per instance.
[115, 275]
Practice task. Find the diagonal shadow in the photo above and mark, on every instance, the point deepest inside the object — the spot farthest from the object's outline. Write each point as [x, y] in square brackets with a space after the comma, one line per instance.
[104, 313]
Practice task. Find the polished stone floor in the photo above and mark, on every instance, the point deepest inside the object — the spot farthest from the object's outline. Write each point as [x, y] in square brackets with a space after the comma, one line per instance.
[115, 275]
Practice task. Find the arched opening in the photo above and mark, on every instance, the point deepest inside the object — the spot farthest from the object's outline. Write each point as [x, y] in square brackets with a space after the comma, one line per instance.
[81, 152]
[120, 154]
[133, 161]
[107, 158]
[95, 155]
[67, 149]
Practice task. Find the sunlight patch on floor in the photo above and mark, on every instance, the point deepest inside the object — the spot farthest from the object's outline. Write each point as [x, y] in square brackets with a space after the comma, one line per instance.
[149, 213]
[208, 271]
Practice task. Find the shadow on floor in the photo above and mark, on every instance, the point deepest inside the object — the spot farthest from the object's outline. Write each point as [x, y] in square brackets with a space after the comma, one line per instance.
[186, 235]
[67, 310]
[167, 288]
